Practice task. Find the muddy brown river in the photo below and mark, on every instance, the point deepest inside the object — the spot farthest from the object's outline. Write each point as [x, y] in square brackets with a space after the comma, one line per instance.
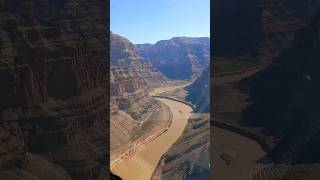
[141, 165]
[243, 155]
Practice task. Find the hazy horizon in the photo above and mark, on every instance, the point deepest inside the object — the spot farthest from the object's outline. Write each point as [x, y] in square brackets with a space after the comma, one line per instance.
[159, 39]
[149, 21]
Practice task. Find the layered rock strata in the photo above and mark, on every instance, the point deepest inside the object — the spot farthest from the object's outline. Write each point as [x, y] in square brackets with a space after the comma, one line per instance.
[135, 116]
[179, 57]
[53, 93]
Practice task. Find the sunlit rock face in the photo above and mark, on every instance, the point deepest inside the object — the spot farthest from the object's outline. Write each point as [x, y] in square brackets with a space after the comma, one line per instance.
[179, 57]
[131, 76]
[126, 65]
[134, 115]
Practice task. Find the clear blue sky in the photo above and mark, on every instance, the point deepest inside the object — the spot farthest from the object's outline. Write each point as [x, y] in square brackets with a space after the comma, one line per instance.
[148, 21]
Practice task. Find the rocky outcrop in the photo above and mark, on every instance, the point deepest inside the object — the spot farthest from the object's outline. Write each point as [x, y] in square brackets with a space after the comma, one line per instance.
[179, 57]
[199, 93]
[53, 91]
[189, 157]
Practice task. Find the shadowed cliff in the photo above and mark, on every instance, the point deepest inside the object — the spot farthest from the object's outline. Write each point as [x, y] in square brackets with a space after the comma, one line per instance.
[199, 93]
[258, 28]
[53, 103]
[285, 99]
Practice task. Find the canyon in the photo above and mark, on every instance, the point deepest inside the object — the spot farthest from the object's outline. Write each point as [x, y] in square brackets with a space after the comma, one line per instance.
[142, 164]
[138, 120]
[54, 100]
[267, 90]
[135, 116]
[189, 156]
[291, 98]
[179, 57]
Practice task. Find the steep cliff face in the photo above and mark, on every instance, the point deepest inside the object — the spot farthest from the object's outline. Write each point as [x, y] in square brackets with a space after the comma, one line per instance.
[189, 157]
[131, 76]
[53, 94]
[261, 28]
[285, 98]
[134, 115]
[199, 93]
[130, 72]
[179, 57]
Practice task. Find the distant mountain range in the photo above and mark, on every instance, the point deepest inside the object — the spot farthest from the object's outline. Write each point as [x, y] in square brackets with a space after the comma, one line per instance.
[179, 57]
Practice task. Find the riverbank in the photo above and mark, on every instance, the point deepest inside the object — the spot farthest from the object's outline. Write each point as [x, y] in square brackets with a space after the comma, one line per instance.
[127, 149]
[129, 129]
[142, 163]
[139, 145]
[189, 157]
[236, 156]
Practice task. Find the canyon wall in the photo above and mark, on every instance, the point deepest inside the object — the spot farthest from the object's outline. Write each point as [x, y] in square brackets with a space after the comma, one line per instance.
[189, 157]
[260, 28]
[54, 99]
[134, 115]
[178, 58]
[199, 92]
[284, 99]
